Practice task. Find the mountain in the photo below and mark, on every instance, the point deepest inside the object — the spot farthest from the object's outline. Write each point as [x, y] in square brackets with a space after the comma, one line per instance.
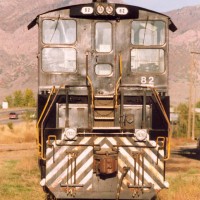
[182, 62]
[18, 52]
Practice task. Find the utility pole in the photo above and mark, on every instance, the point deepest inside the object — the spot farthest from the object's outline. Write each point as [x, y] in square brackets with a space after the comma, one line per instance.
[192, 98]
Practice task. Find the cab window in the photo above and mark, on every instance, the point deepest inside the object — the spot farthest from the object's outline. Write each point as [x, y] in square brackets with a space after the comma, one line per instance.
[103, 69]
[147, 60]
[59, 60]
[148, 32]
[59, 31]
[103, 37]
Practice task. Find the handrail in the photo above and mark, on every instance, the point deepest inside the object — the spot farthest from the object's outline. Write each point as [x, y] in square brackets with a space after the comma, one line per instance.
[168, 139]
[42, 138]
[41, 116]
[118, 81]
[92, 90]
[167, 120]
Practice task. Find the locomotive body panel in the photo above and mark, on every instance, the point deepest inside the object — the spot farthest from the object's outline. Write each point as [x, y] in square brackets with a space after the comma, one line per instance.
[103, 104]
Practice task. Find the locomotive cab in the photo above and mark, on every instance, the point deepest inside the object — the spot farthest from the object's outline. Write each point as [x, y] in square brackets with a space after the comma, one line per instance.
[103, 104]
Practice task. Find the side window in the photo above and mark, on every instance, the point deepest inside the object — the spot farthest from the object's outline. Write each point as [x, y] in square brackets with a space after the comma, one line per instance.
[103, 37]
[59, 31]
[148, 33]
[59, 60]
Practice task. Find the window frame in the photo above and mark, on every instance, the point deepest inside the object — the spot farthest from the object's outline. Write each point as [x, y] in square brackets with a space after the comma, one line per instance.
[148, 20]
[109, 75]
[148, 72]
[95, 34]
[58, 72]
[51, 19]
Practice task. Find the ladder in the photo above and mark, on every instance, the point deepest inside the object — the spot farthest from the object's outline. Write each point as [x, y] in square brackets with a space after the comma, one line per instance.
[104, 113]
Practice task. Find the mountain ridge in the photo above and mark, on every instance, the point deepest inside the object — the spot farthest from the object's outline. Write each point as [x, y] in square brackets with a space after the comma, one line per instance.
[18, 63]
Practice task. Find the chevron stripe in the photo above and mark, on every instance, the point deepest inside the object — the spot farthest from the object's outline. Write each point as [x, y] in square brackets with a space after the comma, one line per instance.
[61, 168]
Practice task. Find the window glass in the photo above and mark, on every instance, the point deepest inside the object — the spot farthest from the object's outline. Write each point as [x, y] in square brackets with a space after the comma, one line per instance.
[148, 33]
[147, 60]
[103, 69]
[59, 60]
[59, 31]
[103, 37]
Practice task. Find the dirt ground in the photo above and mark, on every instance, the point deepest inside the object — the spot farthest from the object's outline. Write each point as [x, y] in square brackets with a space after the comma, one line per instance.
[183, 158]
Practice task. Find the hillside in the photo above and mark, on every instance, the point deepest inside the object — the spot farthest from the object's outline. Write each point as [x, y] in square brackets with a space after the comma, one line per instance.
[185, 40]
[18, 63]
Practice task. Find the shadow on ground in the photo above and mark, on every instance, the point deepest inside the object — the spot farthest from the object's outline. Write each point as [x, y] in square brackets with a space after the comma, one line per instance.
[188, 152]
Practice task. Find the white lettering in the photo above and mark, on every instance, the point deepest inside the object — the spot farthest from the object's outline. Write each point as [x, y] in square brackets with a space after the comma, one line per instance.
[147, 80]
[87, 10]
[122, 11]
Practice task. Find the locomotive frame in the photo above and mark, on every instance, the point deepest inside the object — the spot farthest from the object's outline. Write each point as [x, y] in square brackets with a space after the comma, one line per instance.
[103, 104]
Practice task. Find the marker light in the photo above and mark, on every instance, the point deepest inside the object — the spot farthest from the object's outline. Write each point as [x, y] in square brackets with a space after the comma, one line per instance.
[70, 133]
[141, 134]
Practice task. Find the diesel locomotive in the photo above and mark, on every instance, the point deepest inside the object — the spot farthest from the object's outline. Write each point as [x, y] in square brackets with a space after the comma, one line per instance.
[103, 104]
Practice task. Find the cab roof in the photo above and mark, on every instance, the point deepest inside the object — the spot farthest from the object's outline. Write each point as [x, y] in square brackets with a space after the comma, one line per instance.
[133, 14]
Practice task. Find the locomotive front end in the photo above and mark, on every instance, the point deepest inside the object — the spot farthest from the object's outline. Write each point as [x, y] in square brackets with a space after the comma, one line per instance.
[103, 104]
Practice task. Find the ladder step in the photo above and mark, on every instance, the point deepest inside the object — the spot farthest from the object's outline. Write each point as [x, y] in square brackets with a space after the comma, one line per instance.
[107, 128]
[104, 107]
[104, 118]
[103, 96]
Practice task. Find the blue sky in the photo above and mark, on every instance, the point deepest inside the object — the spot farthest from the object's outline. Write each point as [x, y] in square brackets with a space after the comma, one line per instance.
[163, 5]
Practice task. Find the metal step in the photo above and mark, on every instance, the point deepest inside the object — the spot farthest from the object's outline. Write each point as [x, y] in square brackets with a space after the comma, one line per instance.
[104, 118]
[104, 97]
[104, 107]
[107, 129]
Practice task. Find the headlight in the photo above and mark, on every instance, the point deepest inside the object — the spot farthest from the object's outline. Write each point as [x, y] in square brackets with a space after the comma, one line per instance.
[100, 9]
[70, 133]
[109, 9]
[141, 134]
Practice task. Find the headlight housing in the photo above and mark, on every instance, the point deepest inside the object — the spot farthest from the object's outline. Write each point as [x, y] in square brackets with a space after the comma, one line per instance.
[109, 9]
[141, 134]
[100, 9]
[70, 133]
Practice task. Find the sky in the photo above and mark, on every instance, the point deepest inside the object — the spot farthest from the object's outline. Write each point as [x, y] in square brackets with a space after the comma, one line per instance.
[163, 5]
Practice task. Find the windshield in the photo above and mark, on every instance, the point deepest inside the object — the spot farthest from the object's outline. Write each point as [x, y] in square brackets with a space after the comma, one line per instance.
[148, 33]
[59, 31]
[60, 59]
[147, 60]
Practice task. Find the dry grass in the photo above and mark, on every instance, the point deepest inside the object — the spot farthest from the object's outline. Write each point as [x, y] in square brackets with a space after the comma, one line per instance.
[18, 133]
[184, 186]
[19, 176]
[183, 174]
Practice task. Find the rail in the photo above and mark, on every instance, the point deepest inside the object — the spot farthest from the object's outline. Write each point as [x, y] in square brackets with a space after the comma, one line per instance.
[40, 118]
[118, 81]
[158, 99]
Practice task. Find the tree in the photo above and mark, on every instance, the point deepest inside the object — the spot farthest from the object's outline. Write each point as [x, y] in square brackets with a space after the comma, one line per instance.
[18, 99]
[29, 99]
[9, 99]
[182, 124]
